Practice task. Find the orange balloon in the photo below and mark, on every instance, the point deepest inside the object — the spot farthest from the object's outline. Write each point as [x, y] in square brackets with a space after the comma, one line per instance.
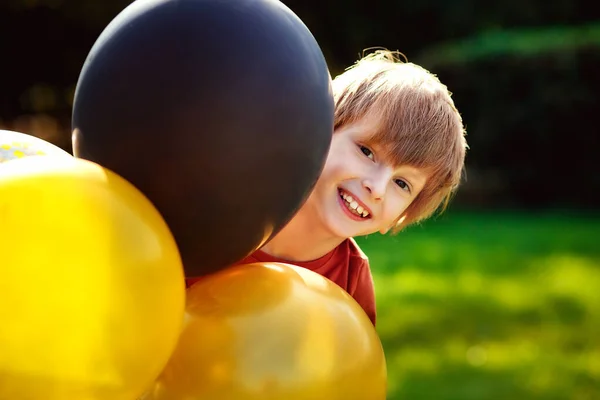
[273, 331]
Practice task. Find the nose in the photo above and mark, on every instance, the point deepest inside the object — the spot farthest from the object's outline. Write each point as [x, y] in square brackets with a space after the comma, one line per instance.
[376, 183]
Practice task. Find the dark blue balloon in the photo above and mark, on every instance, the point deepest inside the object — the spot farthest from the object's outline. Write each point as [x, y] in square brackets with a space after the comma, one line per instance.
[219, 111]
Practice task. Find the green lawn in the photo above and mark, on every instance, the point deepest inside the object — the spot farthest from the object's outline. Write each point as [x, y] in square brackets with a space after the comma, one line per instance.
[491, 307]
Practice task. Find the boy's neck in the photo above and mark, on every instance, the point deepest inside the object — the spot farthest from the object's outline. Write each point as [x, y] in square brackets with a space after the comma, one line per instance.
[300, 240]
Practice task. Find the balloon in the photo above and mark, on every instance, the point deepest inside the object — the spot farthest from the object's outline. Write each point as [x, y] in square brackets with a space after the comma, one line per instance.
[220, 112]
[270, 331]
[92, 294]
[14, 145]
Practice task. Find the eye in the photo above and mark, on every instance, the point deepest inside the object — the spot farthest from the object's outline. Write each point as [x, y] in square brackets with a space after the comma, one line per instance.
[402, 184]
[367, 152]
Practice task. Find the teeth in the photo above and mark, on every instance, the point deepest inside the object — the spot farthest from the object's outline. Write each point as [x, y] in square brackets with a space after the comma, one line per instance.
[353, 205]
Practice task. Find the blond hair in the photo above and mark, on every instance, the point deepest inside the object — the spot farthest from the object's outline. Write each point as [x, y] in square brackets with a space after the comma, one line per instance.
[419, 124]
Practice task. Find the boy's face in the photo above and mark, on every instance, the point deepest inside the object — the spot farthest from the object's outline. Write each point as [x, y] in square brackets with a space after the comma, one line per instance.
[359, 192]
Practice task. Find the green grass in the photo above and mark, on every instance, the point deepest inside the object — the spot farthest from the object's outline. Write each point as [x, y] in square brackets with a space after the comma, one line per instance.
[491, 307]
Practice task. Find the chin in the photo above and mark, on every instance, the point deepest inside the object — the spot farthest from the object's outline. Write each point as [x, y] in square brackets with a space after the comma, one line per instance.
[346, 232]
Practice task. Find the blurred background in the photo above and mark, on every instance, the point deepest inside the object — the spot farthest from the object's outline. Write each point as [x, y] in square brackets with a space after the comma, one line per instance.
[498, 298]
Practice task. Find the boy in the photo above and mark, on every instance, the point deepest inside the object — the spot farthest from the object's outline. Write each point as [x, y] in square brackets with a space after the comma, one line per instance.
[396, 156]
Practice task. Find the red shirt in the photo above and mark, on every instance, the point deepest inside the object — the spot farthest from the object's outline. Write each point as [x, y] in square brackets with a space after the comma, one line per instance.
[346, 265]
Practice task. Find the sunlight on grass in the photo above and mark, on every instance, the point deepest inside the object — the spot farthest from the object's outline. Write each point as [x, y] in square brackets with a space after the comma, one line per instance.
[484, 307]
[570, 275]
[567, 276]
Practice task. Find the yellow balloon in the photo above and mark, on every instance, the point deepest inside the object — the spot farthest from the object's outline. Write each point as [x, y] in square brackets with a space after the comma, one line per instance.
[15, 145]
[92, 292]
[270, 331]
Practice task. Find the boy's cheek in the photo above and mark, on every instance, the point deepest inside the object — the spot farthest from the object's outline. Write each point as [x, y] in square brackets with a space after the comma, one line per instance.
[391, 223]
[331, 170]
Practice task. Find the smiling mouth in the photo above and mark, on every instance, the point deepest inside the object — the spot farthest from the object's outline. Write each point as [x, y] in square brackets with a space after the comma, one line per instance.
[352, 205]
